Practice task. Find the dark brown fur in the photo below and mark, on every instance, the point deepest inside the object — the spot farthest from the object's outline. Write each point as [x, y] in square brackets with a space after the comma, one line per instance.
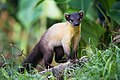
[40, 52]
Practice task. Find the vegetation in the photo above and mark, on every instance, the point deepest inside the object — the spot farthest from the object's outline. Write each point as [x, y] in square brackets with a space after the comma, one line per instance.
[22, 22]
[102, 65]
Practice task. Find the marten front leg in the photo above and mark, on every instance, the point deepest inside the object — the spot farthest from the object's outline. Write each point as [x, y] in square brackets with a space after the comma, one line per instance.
[76, 40]
[59, 53]
[66, 46]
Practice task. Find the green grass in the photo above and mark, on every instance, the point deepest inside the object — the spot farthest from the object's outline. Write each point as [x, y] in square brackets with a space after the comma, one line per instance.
[102, 65]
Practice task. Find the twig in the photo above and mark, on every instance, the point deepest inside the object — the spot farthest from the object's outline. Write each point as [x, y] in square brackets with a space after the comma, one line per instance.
[21, 51]
[57, 70]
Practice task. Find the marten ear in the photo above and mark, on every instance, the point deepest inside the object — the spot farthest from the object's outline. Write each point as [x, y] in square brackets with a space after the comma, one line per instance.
[67, 16]
[81, 13]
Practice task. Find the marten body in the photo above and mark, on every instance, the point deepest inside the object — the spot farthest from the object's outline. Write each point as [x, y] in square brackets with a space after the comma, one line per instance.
[57, 39]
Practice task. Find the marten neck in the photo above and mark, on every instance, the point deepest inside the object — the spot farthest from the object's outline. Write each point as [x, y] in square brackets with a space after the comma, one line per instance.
[72, 27]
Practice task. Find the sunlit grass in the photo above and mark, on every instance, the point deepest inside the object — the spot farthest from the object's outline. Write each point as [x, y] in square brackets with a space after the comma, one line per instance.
[102, 65]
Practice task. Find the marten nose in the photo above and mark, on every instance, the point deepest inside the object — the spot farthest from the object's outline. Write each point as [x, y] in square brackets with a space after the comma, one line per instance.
[76, 24]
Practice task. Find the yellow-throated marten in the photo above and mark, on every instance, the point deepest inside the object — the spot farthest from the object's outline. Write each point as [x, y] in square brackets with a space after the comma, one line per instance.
[57, 39]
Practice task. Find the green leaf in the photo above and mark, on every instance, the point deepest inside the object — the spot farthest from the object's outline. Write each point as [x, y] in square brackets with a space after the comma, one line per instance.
[62, 1]
[91, 30]
[80, 4]
[114, 12]
[51, 10]
[86, 5]
[106, 4]
[92, 12]
[107, 65]
[38, 3]
[28, 13]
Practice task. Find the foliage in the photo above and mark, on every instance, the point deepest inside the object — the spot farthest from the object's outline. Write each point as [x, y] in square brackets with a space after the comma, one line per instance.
[89, 26]
[33, 17]
[22, 22]
[115, 10]
[102, 64]
[29, 14]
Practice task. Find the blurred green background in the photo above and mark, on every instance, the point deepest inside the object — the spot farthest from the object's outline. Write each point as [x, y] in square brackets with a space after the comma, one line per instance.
[22, 22]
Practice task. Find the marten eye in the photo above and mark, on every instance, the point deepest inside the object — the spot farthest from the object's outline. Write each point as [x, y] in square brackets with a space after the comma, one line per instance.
[71, 20]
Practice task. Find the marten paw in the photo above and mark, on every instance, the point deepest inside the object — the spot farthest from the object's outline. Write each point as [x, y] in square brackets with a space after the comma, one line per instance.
[74, 61]
[49, 66]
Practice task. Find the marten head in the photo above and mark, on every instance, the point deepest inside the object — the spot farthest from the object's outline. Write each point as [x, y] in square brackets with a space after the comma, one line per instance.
[74, 18]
